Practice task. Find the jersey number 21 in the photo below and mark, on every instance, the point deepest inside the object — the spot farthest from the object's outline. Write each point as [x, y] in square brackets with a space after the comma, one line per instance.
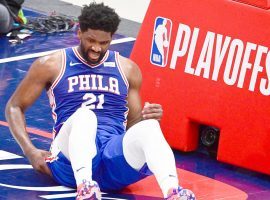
[92, 101]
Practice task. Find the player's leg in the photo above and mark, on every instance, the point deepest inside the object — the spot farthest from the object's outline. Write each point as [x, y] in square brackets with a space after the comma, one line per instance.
[114, 173]
[144, 143]
[76, 140]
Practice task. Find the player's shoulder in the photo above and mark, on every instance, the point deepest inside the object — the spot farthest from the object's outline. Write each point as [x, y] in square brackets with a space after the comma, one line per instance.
[128, 64]
[47, 67]
[131, 69]
[48, 63]
[54, 58]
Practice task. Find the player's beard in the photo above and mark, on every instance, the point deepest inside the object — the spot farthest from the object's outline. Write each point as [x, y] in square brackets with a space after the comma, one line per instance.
[85, 56]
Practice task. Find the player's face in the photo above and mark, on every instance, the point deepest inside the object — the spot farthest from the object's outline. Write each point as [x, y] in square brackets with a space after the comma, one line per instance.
[94, 44]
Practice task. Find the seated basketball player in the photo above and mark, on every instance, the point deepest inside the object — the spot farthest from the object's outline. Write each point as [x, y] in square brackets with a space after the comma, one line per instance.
[103, 139]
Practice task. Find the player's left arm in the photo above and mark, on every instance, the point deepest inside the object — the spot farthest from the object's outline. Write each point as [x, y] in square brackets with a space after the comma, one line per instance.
[134, 78]
[136, 113]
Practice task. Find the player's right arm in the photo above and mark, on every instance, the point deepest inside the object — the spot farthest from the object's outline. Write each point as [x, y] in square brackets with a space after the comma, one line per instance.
[40, 76]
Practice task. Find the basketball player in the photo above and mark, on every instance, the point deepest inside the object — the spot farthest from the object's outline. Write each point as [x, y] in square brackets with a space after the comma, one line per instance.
[103, 139]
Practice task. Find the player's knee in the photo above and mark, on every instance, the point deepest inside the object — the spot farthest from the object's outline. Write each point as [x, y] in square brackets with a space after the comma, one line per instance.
[150, 122]
[150, 129]
[150, 125]
[85, 114]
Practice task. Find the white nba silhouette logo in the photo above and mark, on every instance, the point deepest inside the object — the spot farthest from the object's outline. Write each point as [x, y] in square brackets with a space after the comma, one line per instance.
[161, 41]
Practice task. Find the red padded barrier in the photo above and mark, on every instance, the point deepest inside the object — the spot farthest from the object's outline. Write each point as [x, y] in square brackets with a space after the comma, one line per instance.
[260, 3]
[215, 70]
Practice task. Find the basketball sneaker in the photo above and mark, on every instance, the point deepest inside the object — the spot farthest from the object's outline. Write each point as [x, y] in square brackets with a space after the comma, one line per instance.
[88, 191]
[180, 194]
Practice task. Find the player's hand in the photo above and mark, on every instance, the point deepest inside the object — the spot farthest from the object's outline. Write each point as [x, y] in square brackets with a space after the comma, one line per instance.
[152, 111]
[36, 158]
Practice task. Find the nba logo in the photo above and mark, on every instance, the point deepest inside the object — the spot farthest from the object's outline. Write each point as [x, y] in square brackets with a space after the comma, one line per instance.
[161, 41]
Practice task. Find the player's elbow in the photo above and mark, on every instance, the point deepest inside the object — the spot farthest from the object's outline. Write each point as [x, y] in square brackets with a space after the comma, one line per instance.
[8, 109]
[11, 109]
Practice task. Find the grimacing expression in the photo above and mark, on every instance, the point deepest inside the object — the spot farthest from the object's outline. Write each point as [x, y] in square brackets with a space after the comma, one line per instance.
[94, 44]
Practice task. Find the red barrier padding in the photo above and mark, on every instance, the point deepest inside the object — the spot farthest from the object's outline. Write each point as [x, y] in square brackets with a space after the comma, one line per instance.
[265, 4]
[213, 68]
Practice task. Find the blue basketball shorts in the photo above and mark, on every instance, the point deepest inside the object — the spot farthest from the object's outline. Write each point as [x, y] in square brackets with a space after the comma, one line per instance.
[109, 167]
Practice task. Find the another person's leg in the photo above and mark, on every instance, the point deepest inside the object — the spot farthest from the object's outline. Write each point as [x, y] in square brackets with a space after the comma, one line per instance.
[144, 143]
[6, 21]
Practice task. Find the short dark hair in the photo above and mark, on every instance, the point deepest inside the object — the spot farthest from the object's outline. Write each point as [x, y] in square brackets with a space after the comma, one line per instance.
[99, 17]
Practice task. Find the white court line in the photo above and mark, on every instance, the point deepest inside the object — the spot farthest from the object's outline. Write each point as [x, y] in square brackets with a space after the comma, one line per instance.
[35, 55]
[60, 196]
[4, 155]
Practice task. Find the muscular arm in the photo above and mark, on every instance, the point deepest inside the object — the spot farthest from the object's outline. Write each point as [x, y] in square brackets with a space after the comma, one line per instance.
[136, 113]
[134, 77]
[39, 76]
